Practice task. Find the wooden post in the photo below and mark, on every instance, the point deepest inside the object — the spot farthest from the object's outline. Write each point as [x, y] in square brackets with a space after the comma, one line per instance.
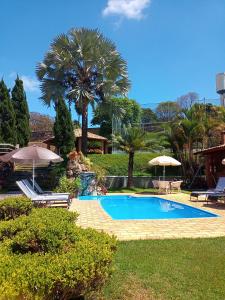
[105, 151]
[209, 170]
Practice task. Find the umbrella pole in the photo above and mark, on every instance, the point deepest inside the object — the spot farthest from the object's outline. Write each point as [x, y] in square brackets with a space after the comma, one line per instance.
[33, 173]
[164, 173]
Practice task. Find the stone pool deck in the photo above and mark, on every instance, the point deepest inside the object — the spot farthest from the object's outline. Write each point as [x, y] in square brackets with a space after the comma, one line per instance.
[92, 215]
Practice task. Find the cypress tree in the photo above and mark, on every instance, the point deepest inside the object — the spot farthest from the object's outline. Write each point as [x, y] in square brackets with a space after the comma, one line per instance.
[63, 129]
[21, 113]
[7, 116]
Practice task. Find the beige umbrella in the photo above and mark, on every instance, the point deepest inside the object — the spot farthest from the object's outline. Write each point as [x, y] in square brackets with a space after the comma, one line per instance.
[34, 155]
[164, 161]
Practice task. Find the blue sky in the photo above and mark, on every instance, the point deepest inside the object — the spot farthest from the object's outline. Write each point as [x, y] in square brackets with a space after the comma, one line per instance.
[171, 46]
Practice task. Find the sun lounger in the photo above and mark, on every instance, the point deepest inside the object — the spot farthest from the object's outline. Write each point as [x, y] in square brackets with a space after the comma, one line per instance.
[61, 200]
[38, 189]
[218, 189]
[214, 197]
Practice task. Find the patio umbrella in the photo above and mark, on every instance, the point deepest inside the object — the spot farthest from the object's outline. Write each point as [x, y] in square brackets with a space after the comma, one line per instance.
[7, 157]
[164, 161]
[34, 155]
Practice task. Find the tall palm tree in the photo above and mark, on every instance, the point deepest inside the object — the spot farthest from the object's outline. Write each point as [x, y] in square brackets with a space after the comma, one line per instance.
[132, 140]
[84, 67]
[198, 128]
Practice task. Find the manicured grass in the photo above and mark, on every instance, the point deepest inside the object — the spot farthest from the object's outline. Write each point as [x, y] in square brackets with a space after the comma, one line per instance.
[116, 164]
[169, 269]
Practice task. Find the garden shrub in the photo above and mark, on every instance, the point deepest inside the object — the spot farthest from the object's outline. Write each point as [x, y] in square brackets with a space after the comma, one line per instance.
[13, 207]
[100, 173]
[46, 256]
[68, 185]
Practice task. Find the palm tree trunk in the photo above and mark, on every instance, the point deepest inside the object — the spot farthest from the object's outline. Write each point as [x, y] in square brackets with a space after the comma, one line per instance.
[130, 170]
[84, 126]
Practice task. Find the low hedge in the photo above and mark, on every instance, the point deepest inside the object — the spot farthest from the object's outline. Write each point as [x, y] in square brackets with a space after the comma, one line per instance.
[116, 164]
[13, 207]
[46, 256]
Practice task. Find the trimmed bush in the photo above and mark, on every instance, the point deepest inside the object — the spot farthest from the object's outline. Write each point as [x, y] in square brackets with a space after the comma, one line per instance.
[46, 256]
[13, 207]
[68, 185]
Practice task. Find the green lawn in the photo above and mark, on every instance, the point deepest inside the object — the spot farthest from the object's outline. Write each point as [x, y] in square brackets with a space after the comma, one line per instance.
[116, 164]
[169, 269]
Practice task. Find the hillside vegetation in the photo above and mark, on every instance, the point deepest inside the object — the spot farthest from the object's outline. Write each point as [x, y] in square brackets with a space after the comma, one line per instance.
[116, 164]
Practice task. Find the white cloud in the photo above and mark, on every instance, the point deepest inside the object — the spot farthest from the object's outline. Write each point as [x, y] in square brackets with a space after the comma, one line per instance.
[30, 84]
[131, 9]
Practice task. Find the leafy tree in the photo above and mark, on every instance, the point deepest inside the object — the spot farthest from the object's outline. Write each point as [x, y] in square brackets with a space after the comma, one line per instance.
[21, 113]
[63, 129]
[126, 111]
[7, 116]
[186, 101]
[147, 116]
[168, 111]
[199, 128]
[84, 67]
[41, 122]
[132, 140]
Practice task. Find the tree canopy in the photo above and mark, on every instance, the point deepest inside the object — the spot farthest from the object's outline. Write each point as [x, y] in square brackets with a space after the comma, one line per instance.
[63, 129]
[168, 111]
[21, 113]
[83, 67]
[41, 122]
[126, 110]
[147, 116]
[7, 116]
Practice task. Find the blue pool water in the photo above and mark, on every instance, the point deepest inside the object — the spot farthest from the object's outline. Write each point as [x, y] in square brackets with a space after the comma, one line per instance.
[125, 207]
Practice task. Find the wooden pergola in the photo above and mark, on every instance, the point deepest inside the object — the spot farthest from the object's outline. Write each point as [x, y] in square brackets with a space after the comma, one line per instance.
[50, 142]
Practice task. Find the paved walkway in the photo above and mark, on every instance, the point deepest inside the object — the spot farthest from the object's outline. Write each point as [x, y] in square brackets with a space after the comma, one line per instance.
[92, 215]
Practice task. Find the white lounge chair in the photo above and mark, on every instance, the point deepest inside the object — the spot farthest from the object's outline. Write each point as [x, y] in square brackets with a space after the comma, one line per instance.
[164, 186]
[218, 189]
[60, 200]
[38, 189]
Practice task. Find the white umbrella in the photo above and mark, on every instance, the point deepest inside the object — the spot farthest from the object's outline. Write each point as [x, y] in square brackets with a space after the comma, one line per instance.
[35, 155]
[164, 161]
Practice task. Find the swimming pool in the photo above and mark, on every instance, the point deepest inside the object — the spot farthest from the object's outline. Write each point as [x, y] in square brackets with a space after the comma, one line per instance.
[126, 207]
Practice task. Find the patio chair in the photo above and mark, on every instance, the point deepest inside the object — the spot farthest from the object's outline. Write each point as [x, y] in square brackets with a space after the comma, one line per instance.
[38, 189]
[175, 185]
[164, 186]
[218, 189]
[155, 184]
[60, 200]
